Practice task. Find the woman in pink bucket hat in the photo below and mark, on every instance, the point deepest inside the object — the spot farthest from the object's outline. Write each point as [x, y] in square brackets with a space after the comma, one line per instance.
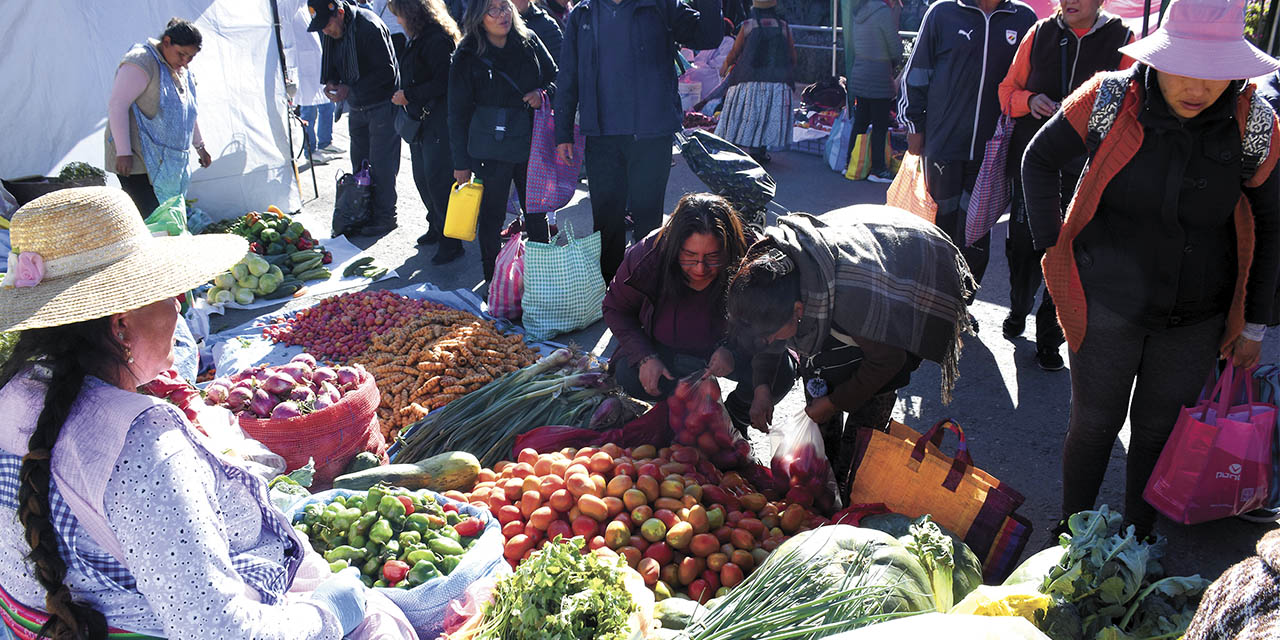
[1168, 256]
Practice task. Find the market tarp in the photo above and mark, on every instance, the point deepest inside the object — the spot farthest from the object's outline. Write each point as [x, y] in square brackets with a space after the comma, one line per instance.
[58, 59]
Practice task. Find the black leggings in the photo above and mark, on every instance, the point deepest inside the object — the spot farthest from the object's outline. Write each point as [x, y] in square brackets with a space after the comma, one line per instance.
[138, 186]
[1165, 370]
[873, 112]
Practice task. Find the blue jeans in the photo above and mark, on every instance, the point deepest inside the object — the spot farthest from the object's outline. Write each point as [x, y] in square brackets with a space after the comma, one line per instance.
[319, 118]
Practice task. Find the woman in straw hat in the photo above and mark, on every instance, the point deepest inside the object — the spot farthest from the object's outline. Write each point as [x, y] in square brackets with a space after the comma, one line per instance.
[120, 515]
[1167, 258]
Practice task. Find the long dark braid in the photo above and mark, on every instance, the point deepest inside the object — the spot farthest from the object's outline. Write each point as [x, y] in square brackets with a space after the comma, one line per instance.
[69, 354]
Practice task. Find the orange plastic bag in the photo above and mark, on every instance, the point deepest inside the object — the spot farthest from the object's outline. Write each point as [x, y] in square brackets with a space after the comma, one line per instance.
[908, 190]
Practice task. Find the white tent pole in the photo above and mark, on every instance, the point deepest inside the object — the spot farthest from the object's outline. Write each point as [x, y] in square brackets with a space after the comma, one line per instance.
[835, 22]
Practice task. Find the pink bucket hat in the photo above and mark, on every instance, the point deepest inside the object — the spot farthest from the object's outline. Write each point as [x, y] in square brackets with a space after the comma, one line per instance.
[1203, 39]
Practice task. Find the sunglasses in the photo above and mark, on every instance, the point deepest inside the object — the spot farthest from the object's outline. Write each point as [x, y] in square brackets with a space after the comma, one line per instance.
[498, 12]
[712, 262]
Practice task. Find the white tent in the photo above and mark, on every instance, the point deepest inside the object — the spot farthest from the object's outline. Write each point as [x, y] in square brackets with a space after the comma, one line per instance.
[58, 60]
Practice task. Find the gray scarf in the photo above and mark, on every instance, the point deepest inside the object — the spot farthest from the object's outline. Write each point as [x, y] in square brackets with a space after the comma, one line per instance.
[882, 274]
[344, 50]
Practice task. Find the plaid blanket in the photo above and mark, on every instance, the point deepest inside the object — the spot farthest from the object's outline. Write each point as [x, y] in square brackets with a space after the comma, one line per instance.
[883, 274]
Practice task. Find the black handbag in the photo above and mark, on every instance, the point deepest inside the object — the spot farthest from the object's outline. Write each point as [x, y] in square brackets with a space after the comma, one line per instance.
[408, 127]
[500, 133]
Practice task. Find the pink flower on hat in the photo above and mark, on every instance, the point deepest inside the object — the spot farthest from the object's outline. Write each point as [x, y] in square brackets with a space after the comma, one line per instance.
[29, 270]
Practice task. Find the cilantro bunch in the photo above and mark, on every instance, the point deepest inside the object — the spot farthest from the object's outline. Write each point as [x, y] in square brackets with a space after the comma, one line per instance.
[560, 593]
[1111, 586]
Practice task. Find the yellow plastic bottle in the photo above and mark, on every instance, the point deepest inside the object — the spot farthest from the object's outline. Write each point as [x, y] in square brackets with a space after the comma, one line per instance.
[464, 210]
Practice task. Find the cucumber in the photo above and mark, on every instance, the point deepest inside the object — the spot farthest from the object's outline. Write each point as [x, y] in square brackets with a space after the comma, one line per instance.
[374, 274]
[319, 273]
[279, 259]
[303, 256]
[355, 266]
[282, 291]
[452, 471]
[299, 267]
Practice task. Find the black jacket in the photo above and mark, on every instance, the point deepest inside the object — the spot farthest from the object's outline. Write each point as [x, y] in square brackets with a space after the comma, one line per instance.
[375, 59]
[424, 78]
[473, 83]
[950, 85]
[657, 27]
[546, 28]
[1061, 62]
[1160, 250]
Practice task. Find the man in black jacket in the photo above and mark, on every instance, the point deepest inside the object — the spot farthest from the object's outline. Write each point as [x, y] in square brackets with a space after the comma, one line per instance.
[543, 25]
[359, 65]
[618, 74]
[949, 101]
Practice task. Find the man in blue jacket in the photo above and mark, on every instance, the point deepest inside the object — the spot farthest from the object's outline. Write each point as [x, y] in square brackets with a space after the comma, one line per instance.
[618, 73]
[950, 104]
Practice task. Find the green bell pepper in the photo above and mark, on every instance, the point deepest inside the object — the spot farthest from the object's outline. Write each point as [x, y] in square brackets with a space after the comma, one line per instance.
[450, 533]
[311, 514]
[451, 518]
[380, 532]
[410, 537]
[344, 552]
[372, 499]
[338, 565]
[446, 547]
[392, 509]
[390, 550]
[372, 567]
[417, 522]
[365, 522]
[421, 572]
[346, 518]
[418, 555]
[449, 563]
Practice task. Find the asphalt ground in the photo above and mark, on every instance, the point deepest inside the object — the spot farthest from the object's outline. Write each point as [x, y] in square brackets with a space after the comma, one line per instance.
[1013, 413]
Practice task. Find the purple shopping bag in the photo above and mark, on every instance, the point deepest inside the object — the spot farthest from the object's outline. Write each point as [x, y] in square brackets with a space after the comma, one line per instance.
[992, 192]
[550, 183]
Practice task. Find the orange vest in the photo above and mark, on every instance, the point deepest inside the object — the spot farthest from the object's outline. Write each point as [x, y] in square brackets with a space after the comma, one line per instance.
[1118, 147]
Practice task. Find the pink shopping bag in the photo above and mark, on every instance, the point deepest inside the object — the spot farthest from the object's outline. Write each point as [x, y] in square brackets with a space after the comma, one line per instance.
[1217, 461]
[551, 183]
[508, 279]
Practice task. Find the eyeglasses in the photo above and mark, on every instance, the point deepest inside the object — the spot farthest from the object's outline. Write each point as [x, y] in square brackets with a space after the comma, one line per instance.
[498, 12]
[712, 262]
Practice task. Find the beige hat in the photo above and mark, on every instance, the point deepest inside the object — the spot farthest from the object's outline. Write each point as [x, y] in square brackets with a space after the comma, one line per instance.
[80, 254]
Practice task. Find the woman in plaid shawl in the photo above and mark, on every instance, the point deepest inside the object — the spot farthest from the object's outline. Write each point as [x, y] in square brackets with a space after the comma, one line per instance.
[862, 295]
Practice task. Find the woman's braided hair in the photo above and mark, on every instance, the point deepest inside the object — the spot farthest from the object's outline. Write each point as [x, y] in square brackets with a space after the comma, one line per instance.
[68, 354]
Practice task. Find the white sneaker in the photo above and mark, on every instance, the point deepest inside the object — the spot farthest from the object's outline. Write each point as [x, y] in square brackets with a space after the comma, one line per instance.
[319, 158]
[332, 148]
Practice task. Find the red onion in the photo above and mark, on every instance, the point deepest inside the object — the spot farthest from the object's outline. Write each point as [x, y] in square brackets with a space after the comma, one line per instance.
[216, 392]
[279, 383]
[297, 370]
[287, 409]
[262, 403]
[239, 397]
[323, 374]
[302, 394]
[321, 402]
[327, 390]
[348, 377]
[305, 358]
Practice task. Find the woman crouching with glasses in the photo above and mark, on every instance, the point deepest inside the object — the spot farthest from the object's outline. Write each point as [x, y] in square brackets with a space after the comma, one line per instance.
[666, 308]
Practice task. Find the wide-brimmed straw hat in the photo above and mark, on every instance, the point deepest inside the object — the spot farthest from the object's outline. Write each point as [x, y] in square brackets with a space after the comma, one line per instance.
[80, 254]
[1203, 39]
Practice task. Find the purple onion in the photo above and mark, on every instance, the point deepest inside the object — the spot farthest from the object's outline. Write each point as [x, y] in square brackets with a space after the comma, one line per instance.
[279, 383]
[216, 392]
[262, 403]
[238, 398]
[348, 377]
[327, 390]
[321, 402]
[287, 409]
[297, 370]
[323, 374]
[305, 358]
[302, 394]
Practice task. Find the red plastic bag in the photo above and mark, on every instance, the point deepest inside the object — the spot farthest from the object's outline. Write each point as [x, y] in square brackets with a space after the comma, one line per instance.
[507, 287]
[800, 468]
[1217, 463]
[650, 428]
[698, 418]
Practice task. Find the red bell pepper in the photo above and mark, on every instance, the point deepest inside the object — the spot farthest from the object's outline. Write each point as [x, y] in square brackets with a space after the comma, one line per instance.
[408, 505]
[393, 571]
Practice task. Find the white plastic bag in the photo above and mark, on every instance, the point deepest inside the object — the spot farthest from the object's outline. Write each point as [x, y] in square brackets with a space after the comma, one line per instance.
[228, 439]
[800, 466]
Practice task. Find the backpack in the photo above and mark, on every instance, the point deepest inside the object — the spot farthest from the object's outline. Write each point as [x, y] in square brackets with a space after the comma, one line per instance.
[1255, 144]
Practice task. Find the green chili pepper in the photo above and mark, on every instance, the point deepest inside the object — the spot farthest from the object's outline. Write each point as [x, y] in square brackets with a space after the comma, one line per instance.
[410, 537]
[355, 539]
[446, 547]
[390, 550]
[333, 538]
[330, 512]
[365, 522]
[418, 555]
[338, 565]
[380, 532]
[417, 522]
[450, 533]
[355, 502]
[311, 514]
[373, 499]
[449, 563]
[380, 583]
[372, 567]
[392, 509]
[451, 518]
[422, 571]
[344, 552]
[345, 519]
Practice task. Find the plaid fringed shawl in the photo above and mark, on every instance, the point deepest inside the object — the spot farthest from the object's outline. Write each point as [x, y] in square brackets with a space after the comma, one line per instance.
[882, 274]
